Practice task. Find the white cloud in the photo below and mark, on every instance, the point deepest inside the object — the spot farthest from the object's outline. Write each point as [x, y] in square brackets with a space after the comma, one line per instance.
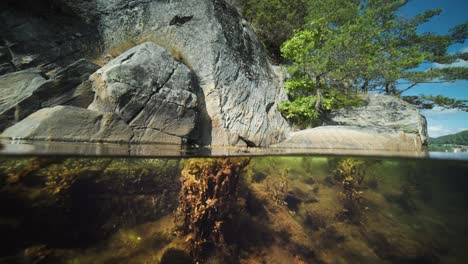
[464, 49]
[457, 63]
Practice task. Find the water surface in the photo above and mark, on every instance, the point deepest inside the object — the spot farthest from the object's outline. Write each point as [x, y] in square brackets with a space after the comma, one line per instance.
[227, 205]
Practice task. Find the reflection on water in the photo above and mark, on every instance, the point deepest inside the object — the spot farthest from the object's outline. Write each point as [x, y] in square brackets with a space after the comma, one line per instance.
[301, 209]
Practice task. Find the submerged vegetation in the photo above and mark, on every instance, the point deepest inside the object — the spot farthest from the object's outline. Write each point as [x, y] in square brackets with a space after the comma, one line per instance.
[207, 202]
[233, 210]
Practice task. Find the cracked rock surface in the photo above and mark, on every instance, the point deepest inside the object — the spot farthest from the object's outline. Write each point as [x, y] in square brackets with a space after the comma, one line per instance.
[24, 92]
[69, 123]
[151, 91]
[382, 112]
[239, 89]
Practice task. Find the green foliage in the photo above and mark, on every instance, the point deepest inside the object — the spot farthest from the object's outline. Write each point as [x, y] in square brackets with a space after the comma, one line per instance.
[429, 102]
[444, 101]
[311, 87]
[362, 45]
[274, 21]
[300, 111]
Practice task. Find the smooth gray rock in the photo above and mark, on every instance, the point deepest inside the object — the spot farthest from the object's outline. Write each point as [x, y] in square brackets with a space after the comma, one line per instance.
[22, 93]
[68, 86]
[382, 112]
[151, 91]
[69, 123]
[241, 90]
[352, 137]
[15, 88]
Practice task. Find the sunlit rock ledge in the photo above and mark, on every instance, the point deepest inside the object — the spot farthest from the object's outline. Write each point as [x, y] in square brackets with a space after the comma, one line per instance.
[352, 137]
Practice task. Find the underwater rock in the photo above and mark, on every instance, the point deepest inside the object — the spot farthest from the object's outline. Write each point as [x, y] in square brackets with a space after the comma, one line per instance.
[69, 123]
[384, 112]
[175, 256]
[151, 91]
[39, 254]
[292, 201]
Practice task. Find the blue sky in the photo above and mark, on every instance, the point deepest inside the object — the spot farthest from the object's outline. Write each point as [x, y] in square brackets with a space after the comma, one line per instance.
[440, 121]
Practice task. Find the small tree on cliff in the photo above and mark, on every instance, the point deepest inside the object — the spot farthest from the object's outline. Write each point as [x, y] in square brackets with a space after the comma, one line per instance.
[352, 46]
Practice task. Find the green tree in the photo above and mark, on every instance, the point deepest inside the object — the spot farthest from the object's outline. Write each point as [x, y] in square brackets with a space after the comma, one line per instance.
[274, 21]
[352, 46]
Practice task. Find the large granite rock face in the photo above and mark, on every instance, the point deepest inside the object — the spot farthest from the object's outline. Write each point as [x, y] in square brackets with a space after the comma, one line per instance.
[151, 92]
[240, 89]
[69, 123]
[24, 92]
[382, 112]
[352, 137]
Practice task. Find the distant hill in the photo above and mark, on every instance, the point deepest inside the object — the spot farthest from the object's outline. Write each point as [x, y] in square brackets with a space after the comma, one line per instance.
[460, 138]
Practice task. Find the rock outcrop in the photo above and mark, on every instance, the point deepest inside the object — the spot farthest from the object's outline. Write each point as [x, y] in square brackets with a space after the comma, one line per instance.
[24, 92]
[201, 75]
[14, 88]
[352, 137]
[382, 112]
[152, 92]
[239, 88]
[382, 123]
[69, 123]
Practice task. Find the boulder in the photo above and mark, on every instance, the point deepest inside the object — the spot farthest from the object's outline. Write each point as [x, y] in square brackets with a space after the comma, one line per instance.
[382, 112]
[151, 91]
[352, 137]
[23, 93]
[69, 123]
[240, 89]
[14, 89]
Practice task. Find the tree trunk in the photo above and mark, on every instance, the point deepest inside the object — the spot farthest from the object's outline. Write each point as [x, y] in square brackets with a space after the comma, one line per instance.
[318, 103]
